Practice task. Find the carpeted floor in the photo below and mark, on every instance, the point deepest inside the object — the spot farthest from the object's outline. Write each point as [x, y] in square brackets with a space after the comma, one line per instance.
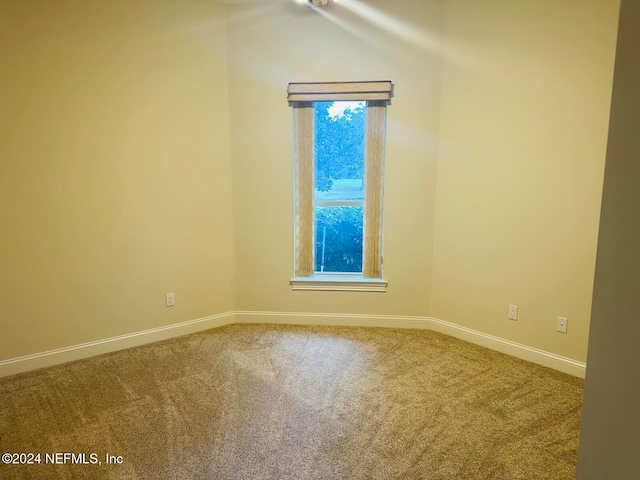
[284, 402]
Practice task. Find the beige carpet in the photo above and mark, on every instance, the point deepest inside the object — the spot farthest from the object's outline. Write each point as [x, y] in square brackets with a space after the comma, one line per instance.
[283, 402]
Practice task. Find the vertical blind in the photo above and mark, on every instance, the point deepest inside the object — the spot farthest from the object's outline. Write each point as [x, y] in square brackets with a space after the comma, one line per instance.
[301, 97]
[303, 172]
[373, 188]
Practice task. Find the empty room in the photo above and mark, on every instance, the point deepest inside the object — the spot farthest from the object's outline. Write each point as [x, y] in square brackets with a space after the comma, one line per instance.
[319, 239]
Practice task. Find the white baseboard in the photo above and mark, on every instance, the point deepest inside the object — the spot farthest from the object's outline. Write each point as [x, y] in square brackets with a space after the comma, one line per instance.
[508, 347]
[76, 352]
[333, 319]
[534, 355]
[90, 349]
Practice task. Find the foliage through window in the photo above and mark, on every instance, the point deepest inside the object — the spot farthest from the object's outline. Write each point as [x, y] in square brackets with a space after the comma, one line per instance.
[338, 185]
[339, 136]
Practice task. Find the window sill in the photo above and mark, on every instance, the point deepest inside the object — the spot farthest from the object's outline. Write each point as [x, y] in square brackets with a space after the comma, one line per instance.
[338, 284]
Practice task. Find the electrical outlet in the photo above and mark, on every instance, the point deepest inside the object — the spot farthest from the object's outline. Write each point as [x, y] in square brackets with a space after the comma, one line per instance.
[562, 325]
[170, 299]
[513, 312]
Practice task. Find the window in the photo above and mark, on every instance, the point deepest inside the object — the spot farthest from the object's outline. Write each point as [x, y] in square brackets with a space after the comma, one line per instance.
[338, 186]
[339, 137]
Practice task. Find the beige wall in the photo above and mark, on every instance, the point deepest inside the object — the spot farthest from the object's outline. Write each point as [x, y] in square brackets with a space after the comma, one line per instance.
[131, 130]
[519, 134]
[610, 429]
[114, 169]
[525, 102]
[272, 45]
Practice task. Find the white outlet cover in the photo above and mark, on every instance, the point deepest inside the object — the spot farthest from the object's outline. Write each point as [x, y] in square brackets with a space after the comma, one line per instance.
[562, 325]
[170, 300]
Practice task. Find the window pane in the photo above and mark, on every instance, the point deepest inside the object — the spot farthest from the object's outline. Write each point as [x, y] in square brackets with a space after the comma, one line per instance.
[339, 151]
[338, 242]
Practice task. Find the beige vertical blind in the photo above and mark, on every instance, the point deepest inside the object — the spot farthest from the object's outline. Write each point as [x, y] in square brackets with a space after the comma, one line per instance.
[303, 139]
[373, 189]
[301, 97]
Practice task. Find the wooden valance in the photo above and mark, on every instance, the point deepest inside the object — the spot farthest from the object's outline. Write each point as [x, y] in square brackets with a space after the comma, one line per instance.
[335, 91]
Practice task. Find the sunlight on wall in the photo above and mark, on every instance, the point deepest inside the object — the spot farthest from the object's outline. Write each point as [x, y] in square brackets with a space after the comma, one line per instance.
[296, 43]
[410, 35]
[403, 30]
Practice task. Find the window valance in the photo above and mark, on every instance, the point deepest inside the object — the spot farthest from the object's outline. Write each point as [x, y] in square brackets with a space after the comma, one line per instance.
[336, 91]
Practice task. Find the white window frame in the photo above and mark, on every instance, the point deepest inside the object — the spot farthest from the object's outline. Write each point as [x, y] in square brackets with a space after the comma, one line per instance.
[302, 96]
